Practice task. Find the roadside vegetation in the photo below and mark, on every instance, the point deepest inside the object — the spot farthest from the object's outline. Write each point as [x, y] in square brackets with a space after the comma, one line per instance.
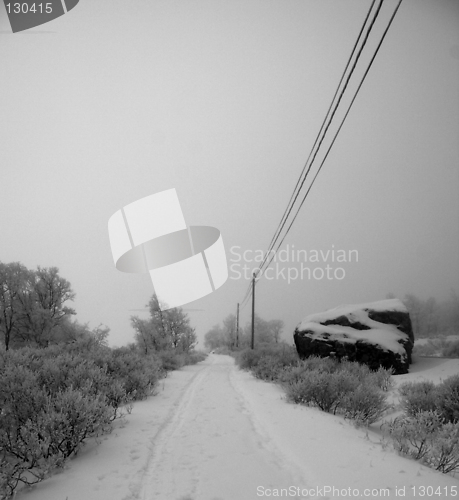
[344, 388]
[60, 382]
[429, 429]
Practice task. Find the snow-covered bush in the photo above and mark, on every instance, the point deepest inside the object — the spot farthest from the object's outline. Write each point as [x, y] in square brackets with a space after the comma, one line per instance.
[448, 399]
[347, 388]
[138, 374]
[418, 396]
[426, 437]
[383, 378]
[324, 390]
[361, 371]
[365, 405]
[444, 452]
[70, 417]
[294, 373]
[194, 357]
[171, 360]
[267, 368]
[41, 426]
[426, 396]
[266, 362]
[248, 358]
[413, 434]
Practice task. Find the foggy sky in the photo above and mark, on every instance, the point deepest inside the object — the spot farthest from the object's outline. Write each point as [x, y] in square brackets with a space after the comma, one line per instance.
[222, 100]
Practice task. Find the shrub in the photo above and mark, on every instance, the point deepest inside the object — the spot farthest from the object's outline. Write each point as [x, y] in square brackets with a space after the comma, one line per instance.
[365, 405]
[138, 374]
[413, 434]
[451, 350]
[383, 379]
[285, 355]
[291, 374]
[280, 354]
[21, 398]
[52, 399]
[272, 362]
[424, 436]
[267, 368]
[347, 387]
[447, 401]
[194, 357]
[72, 416]
[248, 358]
[418, 396]
[359, 370]
[444, 452]
[171, 360]
[322, 389]
[39, 429]
[294, 372]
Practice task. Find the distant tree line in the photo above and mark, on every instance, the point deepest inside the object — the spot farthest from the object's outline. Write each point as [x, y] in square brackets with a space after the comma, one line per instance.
[432, 318]
[225, 336]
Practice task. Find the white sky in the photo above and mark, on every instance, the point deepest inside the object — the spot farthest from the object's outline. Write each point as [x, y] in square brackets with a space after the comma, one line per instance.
[222, 100]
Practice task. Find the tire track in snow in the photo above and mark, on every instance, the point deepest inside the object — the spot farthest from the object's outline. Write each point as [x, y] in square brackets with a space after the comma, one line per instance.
[212, 446]
[282, 459]
[155, 474]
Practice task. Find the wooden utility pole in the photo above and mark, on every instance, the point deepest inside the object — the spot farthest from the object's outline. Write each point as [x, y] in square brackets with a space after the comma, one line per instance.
[237, 326]
[253, 311]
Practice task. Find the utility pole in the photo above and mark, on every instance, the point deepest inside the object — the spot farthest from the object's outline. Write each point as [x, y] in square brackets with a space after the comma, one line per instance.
[237, 326]
[253, 311]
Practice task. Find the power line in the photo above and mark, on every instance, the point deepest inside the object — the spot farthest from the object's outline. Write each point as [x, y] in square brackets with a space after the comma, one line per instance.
[328, 117]
[295, 196]
[295, 193]
[342, 122]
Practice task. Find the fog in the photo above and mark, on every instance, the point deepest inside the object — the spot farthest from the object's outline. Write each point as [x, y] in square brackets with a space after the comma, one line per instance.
[222, 100]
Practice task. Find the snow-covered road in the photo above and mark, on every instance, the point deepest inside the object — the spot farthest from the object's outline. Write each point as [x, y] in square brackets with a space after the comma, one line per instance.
[214, 432]
[211, 447]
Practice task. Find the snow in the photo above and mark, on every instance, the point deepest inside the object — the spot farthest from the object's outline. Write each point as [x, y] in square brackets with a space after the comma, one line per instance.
[214, 432]
[383, 335]
[448, 338]
[357, 310]
[386, 336]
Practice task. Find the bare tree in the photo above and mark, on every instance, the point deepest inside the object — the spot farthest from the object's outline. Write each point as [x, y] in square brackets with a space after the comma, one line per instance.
[165, 329]
[276, 326]
[13, 279]
[32, 303]
[43, 306]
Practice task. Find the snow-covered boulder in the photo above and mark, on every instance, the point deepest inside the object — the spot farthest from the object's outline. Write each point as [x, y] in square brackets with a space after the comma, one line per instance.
[376, 333]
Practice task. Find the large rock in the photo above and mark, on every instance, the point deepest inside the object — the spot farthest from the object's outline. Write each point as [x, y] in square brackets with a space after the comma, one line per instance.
[377, 334]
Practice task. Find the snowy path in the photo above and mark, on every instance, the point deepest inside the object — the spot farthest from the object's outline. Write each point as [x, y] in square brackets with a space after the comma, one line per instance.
[212, 448]
[214, 432]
